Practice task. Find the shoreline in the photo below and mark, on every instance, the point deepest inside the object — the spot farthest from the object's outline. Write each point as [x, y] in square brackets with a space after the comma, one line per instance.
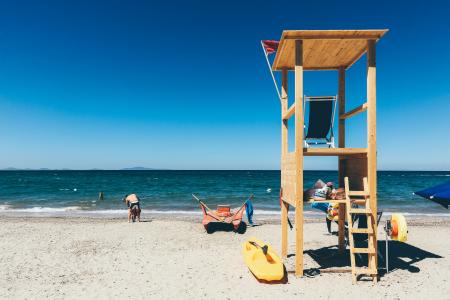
[415, 220]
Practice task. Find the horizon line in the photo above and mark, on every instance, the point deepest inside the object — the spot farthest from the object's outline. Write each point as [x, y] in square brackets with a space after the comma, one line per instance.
[163, 169]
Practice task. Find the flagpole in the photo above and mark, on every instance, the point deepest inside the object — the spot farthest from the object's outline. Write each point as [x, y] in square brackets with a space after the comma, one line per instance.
[270, 69]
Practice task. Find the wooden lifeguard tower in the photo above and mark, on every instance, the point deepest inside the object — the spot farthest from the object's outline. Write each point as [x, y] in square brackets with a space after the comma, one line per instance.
[316, 50]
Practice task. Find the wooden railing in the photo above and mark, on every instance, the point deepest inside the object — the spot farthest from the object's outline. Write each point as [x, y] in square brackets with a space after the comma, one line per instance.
[355, 111]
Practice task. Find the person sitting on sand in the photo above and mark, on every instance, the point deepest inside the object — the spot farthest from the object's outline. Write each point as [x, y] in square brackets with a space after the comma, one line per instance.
[131, 201]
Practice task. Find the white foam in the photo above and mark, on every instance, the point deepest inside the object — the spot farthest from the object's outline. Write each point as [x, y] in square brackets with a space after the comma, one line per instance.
[144, 211]
[4, 207]
[40, 209]
[447, 215]
[79, 211]
[434, 175]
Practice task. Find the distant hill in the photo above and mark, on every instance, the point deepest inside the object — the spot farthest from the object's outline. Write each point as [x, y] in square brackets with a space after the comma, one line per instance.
[29, 169]
[137, 169]
[65, 169]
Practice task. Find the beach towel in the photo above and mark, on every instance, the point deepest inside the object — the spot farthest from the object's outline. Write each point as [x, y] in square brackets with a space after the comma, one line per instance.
[249, 211]
[321, 206]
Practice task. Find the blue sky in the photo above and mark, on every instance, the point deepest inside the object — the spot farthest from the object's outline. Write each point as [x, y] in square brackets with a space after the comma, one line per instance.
[184, 85]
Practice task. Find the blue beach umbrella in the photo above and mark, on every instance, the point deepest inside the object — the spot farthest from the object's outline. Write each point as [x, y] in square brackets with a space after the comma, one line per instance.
[439, 194]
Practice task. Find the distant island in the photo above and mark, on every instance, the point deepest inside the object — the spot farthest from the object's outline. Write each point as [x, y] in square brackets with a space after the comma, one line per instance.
[138, 169]
[26, 169]
[93, 169]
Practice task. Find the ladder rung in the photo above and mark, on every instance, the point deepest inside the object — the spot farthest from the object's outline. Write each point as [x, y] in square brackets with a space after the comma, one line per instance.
[359, 201]
[358, 193]
[361, 230]
[360, 211]
[366, 271]
[363, 250]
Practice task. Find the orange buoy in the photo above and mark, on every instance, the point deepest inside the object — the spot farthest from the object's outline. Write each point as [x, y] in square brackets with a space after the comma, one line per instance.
[394, 226]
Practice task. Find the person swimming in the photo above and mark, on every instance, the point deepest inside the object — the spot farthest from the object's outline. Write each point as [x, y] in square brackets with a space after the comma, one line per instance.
[132, 200]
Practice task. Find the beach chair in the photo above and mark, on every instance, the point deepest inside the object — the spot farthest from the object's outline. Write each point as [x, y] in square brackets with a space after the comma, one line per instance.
[223, 214]
[320, 121]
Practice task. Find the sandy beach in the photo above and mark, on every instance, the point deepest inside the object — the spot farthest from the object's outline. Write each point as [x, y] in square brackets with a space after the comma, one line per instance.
[161, 258]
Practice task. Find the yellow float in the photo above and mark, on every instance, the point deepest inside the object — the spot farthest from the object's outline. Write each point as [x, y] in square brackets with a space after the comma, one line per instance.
[262, 260]
[333, 212]
[399, 230]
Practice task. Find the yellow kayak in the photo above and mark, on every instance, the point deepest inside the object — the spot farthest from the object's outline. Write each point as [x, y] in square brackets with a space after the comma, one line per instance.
[262, 260]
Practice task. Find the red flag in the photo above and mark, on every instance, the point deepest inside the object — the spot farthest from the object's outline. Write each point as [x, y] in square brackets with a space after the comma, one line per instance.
[270, 46]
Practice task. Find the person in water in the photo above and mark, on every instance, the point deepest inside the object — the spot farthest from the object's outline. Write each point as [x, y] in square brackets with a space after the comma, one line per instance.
[131, 201]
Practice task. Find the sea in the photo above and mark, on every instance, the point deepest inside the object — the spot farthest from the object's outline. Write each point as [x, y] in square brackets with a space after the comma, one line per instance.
[77, 193]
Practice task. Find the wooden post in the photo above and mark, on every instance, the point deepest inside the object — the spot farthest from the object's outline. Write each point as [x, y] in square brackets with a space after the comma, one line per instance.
[372, 137]
[299, 123]
[284, 151]
[341, 144]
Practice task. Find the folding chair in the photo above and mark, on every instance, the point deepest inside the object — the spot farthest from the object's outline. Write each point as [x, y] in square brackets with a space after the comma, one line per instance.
[320, 122]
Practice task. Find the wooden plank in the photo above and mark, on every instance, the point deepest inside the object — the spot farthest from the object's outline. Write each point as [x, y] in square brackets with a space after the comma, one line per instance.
[341, 227]
[284, 109]
[352, 53]
[361, 230]
[324, 49]
[357, 193]
[361, 202]
[356, 169]
[341, 101]
[329, 201]
[288, 172]
[334, 151]
[336, 270]
[284, 229]
[328, 38]
[372, 141]
[363, 250]
[341, 144]
[365, 271]
[353, 112]
[350, 227]
[284, 151]
[321, 97]
[356, 58]
[334, 34]
[360, 211]
[299, 121]
[289, 112]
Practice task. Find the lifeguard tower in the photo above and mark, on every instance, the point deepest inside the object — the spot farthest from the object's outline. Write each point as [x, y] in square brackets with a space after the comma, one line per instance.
[317, 50]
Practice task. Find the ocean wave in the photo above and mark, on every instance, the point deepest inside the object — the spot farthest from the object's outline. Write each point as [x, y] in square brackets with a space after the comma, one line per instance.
[79, 211]
[5, 207]
[40, 209]
[434, 175]
[418, 214]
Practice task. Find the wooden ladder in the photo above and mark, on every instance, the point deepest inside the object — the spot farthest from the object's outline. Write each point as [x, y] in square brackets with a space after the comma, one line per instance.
[361, 198]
